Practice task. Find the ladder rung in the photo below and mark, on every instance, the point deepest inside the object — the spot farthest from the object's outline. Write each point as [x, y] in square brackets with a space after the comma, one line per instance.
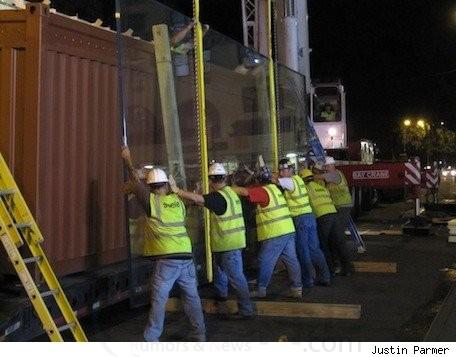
[49, 293]
[23, 225]
[32, 260]
[7, 192]
[66, 327]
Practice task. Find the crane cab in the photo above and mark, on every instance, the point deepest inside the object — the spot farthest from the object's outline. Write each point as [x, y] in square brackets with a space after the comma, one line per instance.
[328, 115]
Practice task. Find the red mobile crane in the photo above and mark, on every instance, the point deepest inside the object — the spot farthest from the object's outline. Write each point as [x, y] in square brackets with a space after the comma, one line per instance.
[326, 100]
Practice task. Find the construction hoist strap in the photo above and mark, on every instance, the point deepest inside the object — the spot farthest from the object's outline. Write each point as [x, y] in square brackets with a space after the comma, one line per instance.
[18, 228]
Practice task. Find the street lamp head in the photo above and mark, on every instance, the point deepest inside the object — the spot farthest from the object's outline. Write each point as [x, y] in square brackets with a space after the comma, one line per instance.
[407, 122]
[421, 124]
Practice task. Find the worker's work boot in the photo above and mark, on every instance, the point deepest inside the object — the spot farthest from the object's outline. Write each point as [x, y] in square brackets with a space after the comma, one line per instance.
[348, 270]
[295, 293]
[195, 338]
[323, 283]
[259, 292]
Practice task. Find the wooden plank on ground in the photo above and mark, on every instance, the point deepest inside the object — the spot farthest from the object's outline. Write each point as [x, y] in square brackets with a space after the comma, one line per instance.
[375, 267]
[377, 232]
[281, 309]
[441, 220]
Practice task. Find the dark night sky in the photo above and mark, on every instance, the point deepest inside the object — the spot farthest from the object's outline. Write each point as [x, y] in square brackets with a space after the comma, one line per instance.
[390, 54]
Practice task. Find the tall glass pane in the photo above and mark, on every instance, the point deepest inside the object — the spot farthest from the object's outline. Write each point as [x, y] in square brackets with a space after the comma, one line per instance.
[293, 115]
[156, 50]
[238, 114]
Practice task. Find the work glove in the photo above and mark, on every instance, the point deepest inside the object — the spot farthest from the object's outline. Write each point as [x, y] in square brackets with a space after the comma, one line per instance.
[125, 153]
[275, 178]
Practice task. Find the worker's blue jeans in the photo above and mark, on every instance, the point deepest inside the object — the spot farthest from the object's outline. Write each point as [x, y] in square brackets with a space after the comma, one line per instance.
[271, 250]
[229, 270]
[166, 273]
[310, 256]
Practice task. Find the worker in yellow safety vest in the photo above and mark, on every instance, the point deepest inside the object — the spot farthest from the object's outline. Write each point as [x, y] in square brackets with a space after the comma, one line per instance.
[328, 114]
[313, 264]
[332, 238]
[227, 237]
[275, 232]
[337, 185]
[167, 243]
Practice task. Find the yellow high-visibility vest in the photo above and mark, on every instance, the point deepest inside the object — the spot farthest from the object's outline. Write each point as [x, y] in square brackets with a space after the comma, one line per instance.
[320, 199]
[298, 200]
[340, 193]
[228, 229]
[274, 220]
[165, 229]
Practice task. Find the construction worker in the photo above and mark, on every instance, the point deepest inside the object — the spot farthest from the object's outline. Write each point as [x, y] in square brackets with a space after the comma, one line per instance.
[337, 185]
[308, 249]
[328, 114]
[168, 244]
[227, 237]
[182, 43]
[275, 232]
[332, 239]
[182, 40]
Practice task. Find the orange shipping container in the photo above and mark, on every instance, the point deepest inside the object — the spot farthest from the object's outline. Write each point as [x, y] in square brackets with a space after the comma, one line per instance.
[59, 133]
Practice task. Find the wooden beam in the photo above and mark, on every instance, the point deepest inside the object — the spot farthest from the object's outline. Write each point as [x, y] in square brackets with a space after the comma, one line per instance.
[375, 267]
[168, 101]
[378, 232]
[280, 309]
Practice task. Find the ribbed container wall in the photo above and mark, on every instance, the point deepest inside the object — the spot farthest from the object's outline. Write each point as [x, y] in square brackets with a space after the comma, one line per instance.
[59, 131]
[80, 174]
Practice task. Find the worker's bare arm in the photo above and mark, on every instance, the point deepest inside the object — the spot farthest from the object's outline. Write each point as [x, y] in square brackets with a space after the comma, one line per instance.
[190, 196]
[126, 156]
[241, 191]
[178, 37]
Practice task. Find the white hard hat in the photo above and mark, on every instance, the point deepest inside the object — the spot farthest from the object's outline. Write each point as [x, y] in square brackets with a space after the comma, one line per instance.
[156, 176]
[217, 169]
[330, 160]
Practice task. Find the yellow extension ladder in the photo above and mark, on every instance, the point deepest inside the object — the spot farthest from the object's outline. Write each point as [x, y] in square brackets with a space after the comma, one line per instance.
[17, 226]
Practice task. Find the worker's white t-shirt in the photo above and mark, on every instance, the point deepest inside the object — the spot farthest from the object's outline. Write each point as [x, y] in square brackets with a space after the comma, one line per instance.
[287, 183]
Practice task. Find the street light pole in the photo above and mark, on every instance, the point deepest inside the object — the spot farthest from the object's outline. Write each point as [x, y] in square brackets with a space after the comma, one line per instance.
[406, 123]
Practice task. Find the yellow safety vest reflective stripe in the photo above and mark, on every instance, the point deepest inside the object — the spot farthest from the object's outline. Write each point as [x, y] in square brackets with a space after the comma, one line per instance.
[182, 49]
[228, 229]
[165, 229]
[320, 199]
[274, 220]
[298, 199]
[340, 193]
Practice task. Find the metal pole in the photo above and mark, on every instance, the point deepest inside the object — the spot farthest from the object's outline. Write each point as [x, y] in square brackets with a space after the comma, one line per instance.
[121, 92]
[245, 26]
[201, 112]
[123, 134]
[288, 45]
[403, 140]
[417, 206]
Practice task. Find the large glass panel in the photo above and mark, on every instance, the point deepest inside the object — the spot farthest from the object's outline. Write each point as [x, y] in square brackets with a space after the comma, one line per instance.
[238, 115]
[293, 115]
[237, 101]
[159, 102]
